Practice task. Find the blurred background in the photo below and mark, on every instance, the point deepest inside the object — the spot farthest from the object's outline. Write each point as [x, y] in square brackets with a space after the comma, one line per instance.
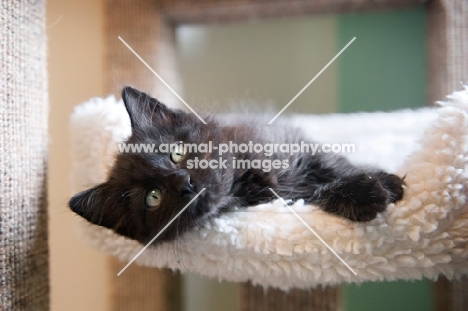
[238, 66]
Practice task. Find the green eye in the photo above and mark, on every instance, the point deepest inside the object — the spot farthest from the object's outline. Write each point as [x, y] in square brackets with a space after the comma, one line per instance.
[153, 198]
[178, 154]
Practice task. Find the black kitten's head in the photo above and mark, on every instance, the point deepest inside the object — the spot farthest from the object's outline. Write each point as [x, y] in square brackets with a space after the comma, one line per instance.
[145, 189]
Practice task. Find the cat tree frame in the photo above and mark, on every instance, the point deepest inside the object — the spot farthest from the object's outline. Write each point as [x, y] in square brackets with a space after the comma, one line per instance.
[148, 26]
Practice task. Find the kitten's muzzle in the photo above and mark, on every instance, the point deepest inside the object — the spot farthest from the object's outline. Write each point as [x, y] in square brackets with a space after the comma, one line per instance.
[182, 183]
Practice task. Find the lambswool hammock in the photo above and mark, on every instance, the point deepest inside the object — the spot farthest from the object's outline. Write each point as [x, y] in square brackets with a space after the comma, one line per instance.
[423, 235]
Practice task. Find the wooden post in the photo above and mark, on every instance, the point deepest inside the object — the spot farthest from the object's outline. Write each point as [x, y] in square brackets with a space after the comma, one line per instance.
[447, 45]
[141, 25]
[255, 298]
[448, 67]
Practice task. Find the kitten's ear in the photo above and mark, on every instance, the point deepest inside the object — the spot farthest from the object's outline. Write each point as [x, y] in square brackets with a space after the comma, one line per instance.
[90, 204]
[145, 110]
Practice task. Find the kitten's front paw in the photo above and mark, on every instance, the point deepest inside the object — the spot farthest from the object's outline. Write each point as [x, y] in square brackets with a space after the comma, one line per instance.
[367, 197]
[394, 184]
[361, 197]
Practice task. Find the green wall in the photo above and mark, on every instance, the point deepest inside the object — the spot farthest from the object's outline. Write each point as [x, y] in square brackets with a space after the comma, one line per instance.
[259, 65]
[384, 69]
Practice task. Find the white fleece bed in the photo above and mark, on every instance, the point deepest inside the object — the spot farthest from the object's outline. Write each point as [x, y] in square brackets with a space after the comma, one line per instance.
[424, 235]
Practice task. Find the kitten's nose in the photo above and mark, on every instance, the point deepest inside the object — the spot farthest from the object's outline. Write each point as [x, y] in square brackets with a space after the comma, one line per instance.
[181, 182]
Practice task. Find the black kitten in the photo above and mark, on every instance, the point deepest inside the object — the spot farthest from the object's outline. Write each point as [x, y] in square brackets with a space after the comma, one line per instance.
[145, 190]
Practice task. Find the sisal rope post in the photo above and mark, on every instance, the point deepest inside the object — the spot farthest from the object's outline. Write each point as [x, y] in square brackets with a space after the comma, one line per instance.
[24, 254]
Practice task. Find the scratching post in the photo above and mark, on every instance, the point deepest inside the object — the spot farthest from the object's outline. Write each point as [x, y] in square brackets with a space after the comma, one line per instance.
[24, 262]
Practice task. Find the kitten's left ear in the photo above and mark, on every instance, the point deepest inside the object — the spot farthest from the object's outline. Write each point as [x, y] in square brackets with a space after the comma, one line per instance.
[93, 205]
[86, 202]
[144, 110]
